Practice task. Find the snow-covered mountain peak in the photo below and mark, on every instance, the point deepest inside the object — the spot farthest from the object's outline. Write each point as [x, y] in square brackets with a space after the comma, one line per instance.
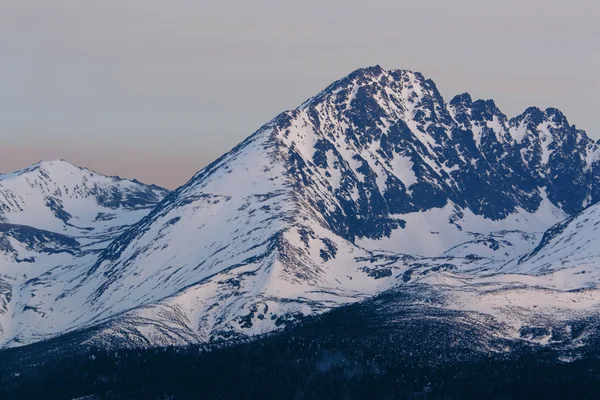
[64, 172]
[375, 181]
[37, 166]
[61, 197]
[56, 215]
[59, 163]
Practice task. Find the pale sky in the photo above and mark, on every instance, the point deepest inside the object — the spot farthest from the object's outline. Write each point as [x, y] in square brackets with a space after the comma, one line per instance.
[155, 89]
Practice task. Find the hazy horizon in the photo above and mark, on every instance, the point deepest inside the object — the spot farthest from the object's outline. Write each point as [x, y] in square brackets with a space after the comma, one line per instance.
[155, 91]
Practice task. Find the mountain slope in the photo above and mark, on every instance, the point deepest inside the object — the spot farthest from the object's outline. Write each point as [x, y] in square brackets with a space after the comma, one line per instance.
[374, 183]
[571, 246]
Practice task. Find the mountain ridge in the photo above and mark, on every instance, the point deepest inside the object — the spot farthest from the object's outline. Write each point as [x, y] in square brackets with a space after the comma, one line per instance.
[374, 183]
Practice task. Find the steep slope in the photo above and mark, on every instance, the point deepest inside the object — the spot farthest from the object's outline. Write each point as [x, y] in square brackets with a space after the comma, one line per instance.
[569, 247]
[373, 183]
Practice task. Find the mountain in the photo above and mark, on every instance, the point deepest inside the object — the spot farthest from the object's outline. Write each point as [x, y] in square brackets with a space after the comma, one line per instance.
[55, 215]
[374, 184]
[60, 197]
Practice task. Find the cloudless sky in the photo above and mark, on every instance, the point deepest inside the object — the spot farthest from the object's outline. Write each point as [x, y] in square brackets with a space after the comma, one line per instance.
[155, 90]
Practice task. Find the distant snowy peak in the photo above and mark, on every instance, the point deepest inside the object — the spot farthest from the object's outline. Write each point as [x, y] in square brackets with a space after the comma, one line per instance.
[58, 196]
[51, 176]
